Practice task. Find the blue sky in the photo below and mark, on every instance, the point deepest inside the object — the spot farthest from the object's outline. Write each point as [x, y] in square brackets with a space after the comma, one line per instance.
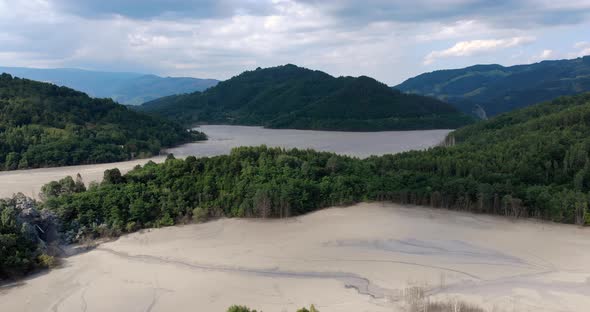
[390, 40]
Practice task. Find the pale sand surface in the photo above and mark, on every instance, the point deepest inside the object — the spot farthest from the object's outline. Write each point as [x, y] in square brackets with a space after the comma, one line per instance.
[358, 258]
[223, 138]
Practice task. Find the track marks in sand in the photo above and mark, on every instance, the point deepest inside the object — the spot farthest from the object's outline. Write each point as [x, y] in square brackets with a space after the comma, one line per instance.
[350, 280]
[83, 304]
[450, 249]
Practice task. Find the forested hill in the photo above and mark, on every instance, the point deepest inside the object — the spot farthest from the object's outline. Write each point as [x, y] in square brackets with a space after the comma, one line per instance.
[293, 97]
[533, 162]
[530, 162]
[45, 125]
[497, 89]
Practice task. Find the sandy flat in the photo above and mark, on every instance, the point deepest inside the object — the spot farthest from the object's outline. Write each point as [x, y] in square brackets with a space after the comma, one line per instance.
[359, 258]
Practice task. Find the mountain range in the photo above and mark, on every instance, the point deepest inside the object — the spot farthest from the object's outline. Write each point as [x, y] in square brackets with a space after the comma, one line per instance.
[123, 87]
[294, 97]
[488, 90]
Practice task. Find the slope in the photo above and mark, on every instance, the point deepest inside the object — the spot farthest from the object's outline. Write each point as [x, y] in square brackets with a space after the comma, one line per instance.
[494, 89]
[293, 97]
[45, 125]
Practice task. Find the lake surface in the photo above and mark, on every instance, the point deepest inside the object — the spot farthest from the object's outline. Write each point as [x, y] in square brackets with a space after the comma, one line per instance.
[360, 144]
[223, 138]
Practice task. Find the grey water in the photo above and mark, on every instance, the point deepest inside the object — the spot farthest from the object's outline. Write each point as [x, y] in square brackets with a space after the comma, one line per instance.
[359, 144]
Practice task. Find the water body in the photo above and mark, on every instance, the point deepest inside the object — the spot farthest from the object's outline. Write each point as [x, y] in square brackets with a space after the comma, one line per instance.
[223, 138]
[359, 144]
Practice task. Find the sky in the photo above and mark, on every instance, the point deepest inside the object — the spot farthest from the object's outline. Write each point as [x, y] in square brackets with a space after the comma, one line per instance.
[390, 40]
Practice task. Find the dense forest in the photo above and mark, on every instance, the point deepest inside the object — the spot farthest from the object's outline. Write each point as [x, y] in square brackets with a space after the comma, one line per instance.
[294, 97]
[529, 163]
[488, 90]
[532, 162]
[122, 87]
[44, 125]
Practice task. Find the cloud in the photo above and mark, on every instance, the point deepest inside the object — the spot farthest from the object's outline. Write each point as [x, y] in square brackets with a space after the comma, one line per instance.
[543, 55]
[582, 49]
[546, 54]
[150, 9]
[468, 48]
[385, 39]
[500, 13]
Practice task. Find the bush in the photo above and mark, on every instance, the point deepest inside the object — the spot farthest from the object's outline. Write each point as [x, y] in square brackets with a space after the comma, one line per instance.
[311, 309]
[47, 261]
[236, 308]
[200, 214]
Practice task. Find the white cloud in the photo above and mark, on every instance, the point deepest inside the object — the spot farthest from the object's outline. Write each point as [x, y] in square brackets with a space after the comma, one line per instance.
[543, 55]
[471, 47]
[384, 39]
[582, 49]
[454, 30]
[546, 54]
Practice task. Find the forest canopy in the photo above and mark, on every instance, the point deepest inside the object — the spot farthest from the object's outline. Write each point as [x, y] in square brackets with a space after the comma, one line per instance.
[298, 98]
[43, 125]
[529, 163]
[489, 90]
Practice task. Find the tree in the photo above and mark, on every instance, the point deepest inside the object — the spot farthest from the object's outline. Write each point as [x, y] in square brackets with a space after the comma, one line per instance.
[112, 176]
[263, 203]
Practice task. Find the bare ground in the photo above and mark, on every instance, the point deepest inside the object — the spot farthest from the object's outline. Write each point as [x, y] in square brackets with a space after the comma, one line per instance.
[360, 258]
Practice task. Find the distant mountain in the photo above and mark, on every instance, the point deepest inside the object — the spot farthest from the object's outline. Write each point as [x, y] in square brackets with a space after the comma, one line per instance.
[293, 97]
[488, 90]
[125, 88]
[44, 125]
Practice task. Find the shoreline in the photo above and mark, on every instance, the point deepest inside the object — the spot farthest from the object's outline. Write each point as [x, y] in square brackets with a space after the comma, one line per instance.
[222, 139]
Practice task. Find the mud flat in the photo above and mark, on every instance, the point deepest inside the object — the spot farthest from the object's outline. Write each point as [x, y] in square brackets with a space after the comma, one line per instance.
[223, 138]
[358, 258]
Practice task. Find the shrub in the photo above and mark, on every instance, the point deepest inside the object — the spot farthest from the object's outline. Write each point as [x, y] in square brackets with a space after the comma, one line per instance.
[200, 214]
[47, 261]
[236, 308]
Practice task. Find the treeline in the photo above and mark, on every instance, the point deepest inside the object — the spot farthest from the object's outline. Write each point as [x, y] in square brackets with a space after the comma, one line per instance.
[43, 125]
[249, 182]
[530, 163]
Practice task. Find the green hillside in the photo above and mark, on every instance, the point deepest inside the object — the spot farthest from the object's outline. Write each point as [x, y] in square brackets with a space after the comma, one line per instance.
[44, 125]
[497, 89]
[294, 97]
[529, 163]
